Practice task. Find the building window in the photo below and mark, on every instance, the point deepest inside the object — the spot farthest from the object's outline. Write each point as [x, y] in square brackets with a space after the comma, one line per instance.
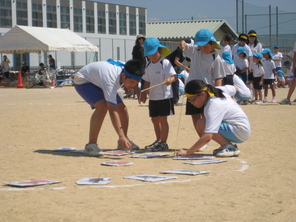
[101, 18]
[122, 20]
[65, 14]
[112, 19]
[5, 14]
[90, 17]
[37, 14]
[51, 16]
[22, 13]
[142, 22]
[132, 21]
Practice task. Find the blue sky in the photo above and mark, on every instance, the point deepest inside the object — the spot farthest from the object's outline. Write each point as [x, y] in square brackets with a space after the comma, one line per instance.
[183, 10]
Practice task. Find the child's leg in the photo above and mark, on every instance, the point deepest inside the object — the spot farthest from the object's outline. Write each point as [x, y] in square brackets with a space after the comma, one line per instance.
[292, 88]
[256, 94]
[259, 94]
[157, 128]
[164, 127]
[272, 87]
[265, 90]
[195, 119]
[96, 120]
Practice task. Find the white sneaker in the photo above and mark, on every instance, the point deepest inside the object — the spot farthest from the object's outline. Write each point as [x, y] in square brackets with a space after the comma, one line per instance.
[134, 146]
[92, 149]
[204, 148]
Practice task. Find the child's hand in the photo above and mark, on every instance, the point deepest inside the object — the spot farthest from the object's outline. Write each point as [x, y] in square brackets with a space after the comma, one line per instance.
[181, 152]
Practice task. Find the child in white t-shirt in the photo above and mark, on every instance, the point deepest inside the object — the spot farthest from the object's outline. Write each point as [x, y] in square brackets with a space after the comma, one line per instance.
[158, 70]
[269, 69]
[225, 122]
[97, 83]
[277, 57]
[258, 73]
[242, 64]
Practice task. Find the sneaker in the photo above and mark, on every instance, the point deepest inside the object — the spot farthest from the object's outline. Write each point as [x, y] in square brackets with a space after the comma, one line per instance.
[134, 146]
[264, 100]
[204, 148]
[92, 149]
[227, 150]
[285, 102]
[217, 150]
[258, 102]
[178, 104]
[273, 100]
[151, 146]
[162, 146]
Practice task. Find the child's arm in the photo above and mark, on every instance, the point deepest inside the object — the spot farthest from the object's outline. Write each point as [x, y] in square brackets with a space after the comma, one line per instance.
[170, 80]
[203, 140]
[261, 80]
[218, 82]
[143, 96]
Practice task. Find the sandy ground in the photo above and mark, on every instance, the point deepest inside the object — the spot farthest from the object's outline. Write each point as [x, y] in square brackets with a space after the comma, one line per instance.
[259, 185]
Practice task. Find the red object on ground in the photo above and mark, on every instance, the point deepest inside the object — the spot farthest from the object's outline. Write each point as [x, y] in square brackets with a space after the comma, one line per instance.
[20, 80]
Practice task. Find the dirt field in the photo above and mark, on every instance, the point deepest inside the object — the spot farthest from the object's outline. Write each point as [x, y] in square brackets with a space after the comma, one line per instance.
[259, 185]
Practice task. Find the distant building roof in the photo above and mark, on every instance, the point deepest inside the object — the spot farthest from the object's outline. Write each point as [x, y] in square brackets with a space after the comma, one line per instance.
[175, 30]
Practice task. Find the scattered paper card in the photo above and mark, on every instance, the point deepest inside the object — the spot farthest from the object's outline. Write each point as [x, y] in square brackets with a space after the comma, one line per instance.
[197, 162]
[150, 178]
[119, 152]
[187, 172]
[150, 155]
[117, 163]
[194, 157]
[94, 181]
[31, 183]
[64, 149]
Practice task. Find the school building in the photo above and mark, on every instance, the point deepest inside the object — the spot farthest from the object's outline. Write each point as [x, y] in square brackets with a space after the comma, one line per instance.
[112, 28]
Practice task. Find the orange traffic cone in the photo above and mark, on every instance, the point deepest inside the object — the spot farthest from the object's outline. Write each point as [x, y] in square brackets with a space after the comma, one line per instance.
[20, 80]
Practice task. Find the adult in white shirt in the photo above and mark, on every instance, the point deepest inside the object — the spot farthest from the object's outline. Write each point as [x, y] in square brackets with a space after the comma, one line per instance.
[277, 57]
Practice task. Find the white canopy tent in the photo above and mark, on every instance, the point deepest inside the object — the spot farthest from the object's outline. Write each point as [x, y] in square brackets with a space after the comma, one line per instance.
[25, 39]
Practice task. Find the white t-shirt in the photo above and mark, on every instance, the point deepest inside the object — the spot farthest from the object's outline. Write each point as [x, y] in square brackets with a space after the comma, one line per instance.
[268, 66]
[229, 68]
[205, 67]
[218, 110]
[278, 55]
[156, 73]
[257, 49]
[102, 74]
[258, 70]
[234, 50]
[223, 49]
[242, 63]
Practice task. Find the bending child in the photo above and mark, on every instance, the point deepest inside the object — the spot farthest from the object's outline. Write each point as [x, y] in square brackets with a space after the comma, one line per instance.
[224, 122]
[97, 84]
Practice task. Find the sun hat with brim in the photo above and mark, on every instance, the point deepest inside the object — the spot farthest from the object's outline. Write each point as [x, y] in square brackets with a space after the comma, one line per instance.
[259, 56]
[141, 36]
[280, 72]
[241, 50]
[267, 51]
[151, 46]
[204, 36]
[227, 57]
[276, 47]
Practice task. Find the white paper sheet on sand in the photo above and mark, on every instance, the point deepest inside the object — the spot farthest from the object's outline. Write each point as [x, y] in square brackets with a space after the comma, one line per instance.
[117, 163]
[187, 172]
[31, 183]
[94, 181]
[193, 157]
[150, 155]
[197, 162]
[150, 178]
[118, 152]
[62, 149]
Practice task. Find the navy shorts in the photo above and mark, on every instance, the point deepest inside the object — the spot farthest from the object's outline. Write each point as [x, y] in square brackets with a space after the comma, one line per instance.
[192, 110]
[268, 81]
[256, 81]
[92, 93]
[161, 107]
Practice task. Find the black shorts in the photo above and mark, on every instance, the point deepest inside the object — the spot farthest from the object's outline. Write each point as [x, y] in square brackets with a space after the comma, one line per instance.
[161, 107]
[191, 110]
[256, 81]
[228, 80]
[268, 81]
[251, 76]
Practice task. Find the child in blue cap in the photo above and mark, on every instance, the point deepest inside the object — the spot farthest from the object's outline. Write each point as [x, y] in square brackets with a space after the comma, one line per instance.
[258, 73]
[242, 64]
[269, 69]
[97, 83]
[206, 65]
[159, 71]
